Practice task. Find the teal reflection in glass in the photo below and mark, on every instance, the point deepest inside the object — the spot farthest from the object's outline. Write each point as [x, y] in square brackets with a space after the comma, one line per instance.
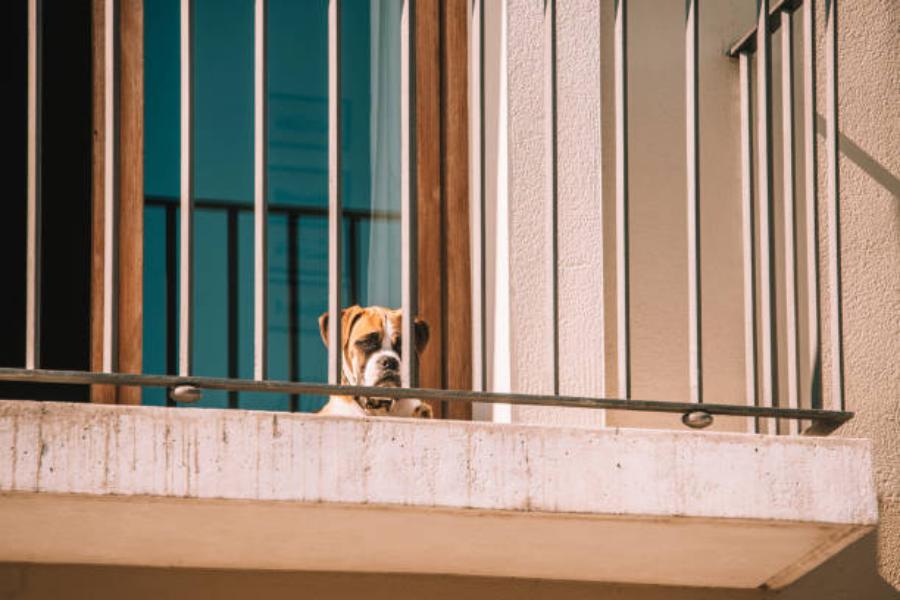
[298, 184]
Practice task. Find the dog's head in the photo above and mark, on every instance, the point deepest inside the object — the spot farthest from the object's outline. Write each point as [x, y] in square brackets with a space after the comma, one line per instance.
[372, 344]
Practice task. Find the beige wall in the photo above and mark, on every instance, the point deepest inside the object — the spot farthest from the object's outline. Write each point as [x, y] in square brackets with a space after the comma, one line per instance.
[870, 190]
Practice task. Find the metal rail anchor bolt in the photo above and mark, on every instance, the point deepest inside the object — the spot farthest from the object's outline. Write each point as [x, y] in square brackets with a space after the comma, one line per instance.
[697, 419]
[185, 393]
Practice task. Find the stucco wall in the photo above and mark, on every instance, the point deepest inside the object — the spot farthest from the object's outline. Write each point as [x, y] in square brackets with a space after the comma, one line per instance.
[870, 218]
[870, 214]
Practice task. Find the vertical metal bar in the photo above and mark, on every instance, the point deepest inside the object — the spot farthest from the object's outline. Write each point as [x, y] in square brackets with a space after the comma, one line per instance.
[260, 194]
[764, 166]
[293, 306]
[33, 233]
[232, 300]
[695, 315]
[408, 226]
[551, 178]
[623, 333]
[811, 189]
[186, 273]
[110, 185]
[171, 295]
[749, 258]
[476, 191]
[334, 192]
[834, 205]
[790, 250]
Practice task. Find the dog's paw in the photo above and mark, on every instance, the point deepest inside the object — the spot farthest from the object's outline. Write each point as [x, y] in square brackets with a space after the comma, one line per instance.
[422, 411]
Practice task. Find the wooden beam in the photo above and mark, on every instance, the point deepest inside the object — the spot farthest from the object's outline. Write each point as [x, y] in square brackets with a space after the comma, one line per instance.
[131, 193]
[430, 202]
[131, 198]
[455, 148]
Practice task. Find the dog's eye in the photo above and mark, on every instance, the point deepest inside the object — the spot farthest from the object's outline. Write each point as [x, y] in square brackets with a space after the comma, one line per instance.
[397, 346]
[368, 344]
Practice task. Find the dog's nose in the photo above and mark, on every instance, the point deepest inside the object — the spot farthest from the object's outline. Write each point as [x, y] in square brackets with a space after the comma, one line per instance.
[389, 363]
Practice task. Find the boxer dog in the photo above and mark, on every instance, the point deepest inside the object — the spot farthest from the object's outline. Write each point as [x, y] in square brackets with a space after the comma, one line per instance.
[371, 346]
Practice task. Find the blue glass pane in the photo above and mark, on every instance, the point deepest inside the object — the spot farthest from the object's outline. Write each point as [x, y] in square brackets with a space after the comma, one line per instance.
[155, 314]
[298, 182]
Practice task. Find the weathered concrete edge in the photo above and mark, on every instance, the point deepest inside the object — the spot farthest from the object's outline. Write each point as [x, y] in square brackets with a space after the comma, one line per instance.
[72, 448]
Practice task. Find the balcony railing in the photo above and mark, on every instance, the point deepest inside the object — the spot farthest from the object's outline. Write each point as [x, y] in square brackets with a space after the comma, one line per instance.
[762, 405]
[294, 215]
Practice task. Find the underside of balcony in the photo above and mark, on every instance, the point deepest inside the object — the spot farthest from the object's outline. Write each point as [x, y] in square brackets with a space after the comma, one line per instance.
[89, 484]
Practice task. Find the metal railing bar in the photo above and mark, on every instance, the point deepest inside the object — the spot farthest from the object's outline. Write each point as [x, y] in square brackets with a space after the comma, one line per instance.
[789, 201]
[747, 42]
[692, 117]
[325, 389]
[623, 333]
[232, 284]
[477, 192]
[260, 193]
[110, 186]
[551, 181]
[748, 235]
[408, 222]
[334, 193]
[834, 203]
[185, 322]
[811, 191]
[278, 208]
[766, 234]
[293, 274]
[34, 213]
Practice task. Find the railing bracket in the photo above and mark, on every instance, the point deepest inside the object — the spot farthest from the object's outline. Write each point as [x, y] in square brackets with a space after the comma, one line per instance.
[185, 393]
[697, 419]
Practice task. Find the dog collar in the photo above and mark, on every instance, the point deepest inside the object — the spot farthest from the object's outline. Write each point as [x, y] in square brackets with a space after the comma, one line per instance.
[375, 403]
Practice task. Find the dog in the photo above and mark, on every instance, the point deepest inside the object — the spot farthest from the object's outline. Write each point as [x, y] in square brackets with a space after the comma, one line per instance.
[371, 349]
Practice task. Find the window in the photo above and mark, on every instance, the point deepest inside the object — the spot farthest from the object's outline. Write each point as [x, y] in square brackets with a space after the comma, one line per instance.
[298, 188]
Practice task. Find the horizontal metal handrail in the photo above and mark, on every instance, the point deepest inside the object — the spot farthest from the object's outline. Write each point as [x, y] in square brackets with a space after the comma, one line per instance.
[825, 420]
[301, 210]
[747, 42]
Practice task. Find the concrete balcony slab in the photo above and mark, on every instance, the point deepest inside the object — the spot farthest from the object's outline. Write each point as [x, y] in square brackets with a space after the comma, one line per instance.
[90, 484]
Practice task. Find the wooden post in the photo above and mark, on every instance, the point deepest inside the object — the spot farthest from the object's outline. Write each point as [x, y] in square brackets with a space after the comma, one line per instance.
[131, 198]
[430, 204]
[443, 198]
[455, 149]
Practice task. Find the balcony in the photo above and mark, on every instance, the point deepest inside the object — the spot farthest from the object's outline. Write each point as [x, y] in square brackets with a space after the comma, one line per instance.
[253, 490]
[754, 353]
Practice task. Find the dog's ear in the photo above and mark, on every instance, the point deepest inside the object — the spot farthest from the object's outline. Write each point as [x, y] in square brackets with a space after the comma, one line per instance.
[348, 316]
[421, 328]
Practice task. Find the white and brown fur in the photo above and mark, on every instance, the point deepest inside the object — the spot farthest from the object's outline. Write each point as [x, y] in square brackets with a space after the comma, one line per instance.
[371, 346]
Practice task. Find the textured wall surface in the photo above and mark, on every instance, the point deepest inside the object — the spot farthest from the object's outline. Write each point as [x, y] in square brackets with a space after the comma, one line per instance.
[870, 213]
[579, 210]
[869, 90]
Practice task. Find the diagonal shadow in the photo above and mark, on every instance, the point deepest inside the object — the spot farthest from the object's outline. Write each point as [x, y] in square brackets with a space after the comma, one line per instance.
[864, 161]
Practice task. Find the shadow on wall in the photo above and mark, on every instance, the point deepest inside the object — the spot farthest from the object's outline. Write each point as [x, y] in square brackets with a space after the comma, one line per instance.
[864, 161]
[851, 575]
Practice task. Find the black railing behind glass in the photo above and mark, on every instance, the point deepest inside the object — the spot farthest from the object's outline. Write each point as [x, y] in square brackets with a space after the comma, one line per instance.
[293, 213]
